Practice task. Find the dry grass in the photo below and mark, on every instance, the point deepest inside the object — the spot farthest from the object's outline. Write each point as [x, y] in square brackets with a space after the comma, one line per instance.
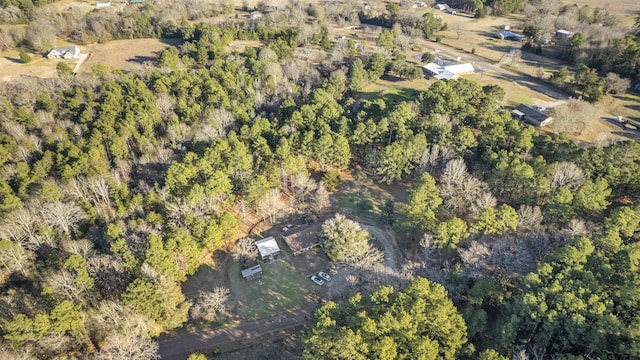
[622, 7]
[11, 67]
[125, 54]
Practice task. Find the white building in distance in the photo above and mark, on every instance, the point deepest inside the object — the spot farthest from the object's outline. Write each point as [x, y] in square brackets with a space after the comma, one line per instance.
[64, 52]
[448, 72]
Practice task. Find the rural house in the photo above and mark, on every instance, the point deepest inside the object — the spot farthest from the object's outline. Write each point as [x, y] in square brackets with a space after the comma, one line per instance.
[508, 35]
[302, 238]
[268, 248]
[448, 72]
[531, 116]
[64, 52]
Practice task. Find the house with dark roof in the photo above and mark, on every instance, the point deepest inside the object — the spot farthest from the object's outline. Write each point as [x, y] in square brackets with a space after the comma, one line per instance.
[531, 116]
[303, 238]
[268, 248]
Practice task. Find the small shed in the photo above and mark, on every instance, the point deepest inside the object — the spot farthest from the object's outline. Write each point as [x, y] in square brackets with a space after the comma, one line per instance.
[442, 7]
[252, 272]
[103, 4]
[268, 248]
[531, 116]
[303, 238]
[564, 34]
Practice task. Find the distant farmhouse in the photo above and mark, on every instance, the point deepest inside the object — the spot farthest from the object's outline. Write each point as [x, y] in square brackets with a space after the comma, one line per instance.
[443, 7]
[531, 116]
[103, 4]
[64, 52]
[268, 248]
[303, 238]
[448, 72]
[508, 35]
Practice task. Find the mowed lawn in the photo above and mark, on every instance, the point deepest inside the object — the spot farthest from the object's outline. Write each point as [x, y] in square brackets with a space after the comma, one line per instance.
[281, 288]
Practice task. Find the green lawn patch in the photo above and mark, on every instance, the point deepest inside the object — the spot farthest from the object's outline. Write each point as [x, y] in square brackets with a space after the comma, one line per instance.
[280, 289]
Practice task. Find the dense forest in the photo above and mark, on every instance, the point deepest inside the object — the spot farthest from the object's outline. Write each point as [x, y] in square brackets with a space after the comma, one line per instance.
[116, 186]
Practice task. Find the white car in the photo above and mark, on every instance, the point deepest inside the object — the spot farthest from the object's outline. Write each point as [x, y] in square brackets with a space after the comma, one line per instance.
[324, 276]
[317, 280]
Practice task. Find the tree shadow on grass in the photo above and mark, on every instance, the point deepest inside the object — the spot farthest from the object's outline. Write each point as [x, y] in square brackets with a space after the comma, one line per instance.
[13, 60]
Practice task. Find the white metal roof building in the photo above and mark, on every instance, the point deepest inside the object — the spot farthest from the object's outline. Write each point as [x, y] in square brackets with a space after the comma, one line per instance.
[268, 248]
[448, 72]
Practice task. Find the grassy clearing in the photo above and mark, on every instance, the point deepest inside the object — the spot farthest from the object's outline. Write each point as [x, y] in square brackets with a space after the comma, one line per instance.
[281, 288]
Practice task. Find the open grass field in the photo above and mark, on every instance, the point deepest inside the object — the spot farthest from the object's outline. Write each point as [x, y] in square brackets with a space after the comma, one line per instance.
[623, 7]
[125, 54]
[10, 66]
[281, 288]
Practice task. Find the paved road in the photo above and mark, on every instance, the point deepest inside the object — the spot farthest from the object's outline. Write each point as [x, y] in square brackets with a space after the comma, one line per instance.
[230, 337]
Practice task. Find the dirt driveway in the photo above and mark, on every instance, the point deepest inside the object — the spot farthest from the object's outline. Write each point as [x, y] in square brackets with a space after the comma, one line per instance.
[388, 242]
[178, 347]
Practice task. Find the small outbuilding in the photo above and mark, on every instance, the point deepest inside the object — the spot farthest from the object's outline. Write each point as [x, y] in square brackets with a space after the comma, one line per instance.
[64, 52]
[564, 34]
[101, 4]
[268, 248]
[443, 7]
[531, 116]
[303, 238]
[252, 272]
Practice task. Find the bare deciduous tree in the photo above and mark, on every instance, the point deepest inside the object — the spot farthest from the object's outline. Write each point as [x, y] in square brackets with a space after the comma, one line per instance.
[14, 258]
[476, 253]
[125, 346]
[616, 84]
[573, 116]
[21, 226]
[529, 217]
[320, 199]
[62, 216]
[458, 188]
[165, 104]
[567, 174]
[245, 249]
[483, 201]
[210, 304]
[434, 156]
[81, 247]
[302, 187]
[64, 284]
[427, 245]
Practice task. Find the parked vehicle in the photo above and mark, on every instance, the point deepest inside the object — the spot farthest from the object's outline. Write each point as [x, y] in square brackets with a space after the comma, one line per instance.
[324, 276]
[317, 280]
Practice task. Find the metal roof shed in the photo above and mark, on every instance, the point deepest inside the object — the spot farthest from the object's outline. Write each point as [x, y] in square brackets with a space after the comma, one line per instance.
[268, 248]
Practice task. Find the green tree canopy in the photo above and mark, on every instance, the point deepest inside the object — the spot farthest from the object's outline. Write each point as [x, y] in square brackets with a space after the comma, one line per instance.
[420, 322]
